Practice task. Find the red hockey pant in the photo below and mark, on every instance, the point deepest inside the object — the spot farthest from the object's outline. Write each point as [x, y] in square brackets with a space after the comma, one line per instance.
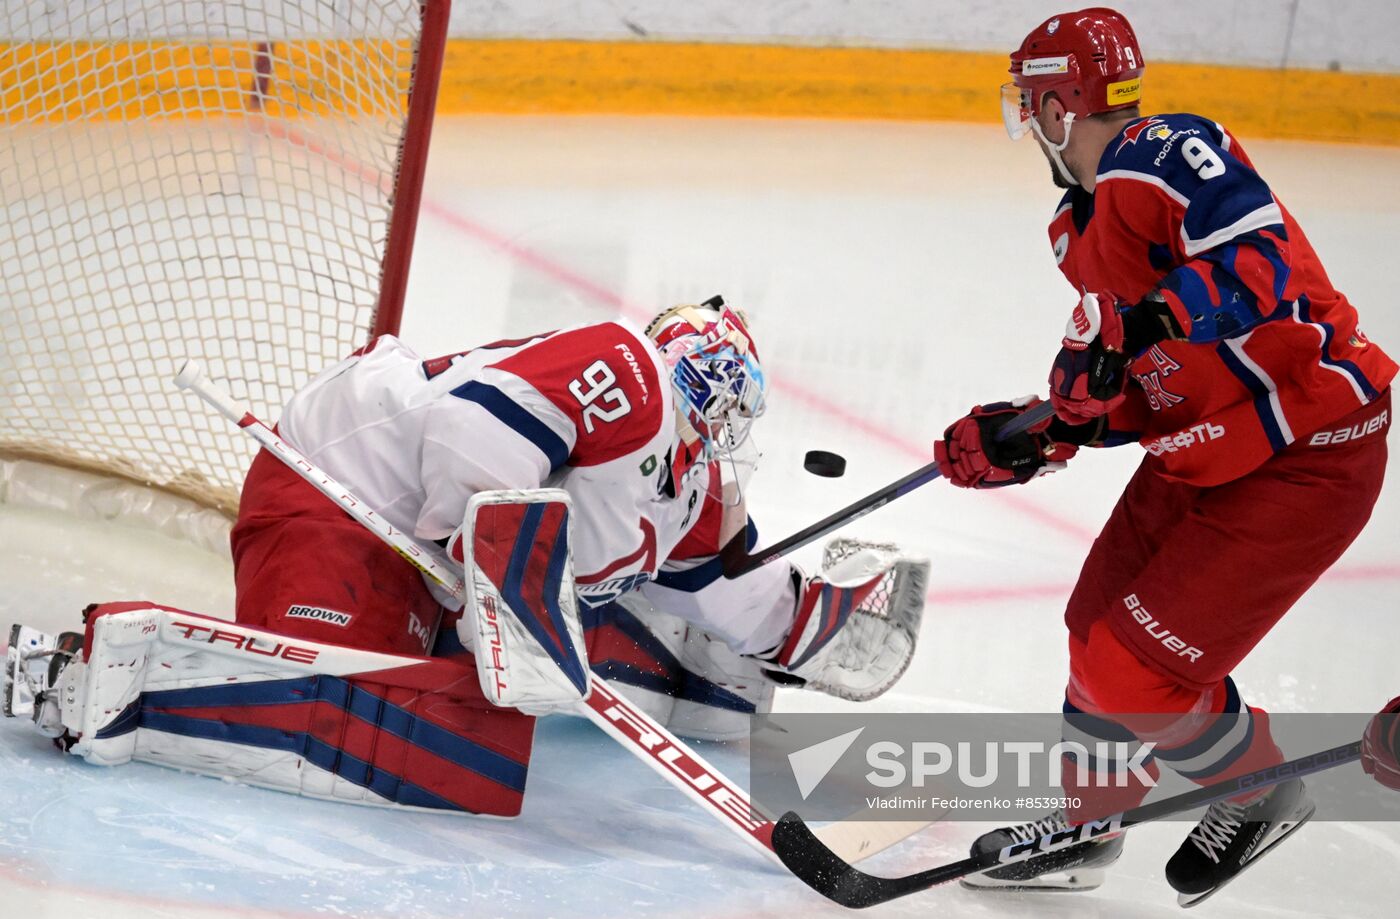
[305, 568]
[1184, 581]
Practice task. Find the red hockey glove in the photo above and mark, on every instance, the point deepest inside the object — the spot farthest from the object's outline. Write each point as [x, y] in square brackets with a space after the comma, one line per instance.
[1380, 746]
[1090, 374]
[970, 456]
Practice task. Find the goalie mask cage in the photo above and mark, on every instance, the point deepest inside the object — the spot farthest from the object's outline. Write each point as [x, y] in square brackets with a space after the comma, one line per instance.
[232, 181]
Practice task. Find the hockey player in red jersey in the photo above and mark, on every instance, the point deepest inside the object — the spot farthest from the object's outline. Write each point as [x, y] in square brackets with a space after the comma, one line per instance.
[1205, 329]
[346, 677]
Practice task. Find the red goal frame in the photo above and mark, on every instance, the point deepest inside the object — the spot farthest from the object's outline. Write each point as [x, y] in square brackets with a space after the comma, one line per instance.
[413, 161]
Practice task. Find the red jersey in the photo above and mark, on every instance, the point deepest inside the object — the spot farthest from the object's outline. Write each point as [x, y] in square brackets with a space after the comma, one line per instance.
[1272, 350]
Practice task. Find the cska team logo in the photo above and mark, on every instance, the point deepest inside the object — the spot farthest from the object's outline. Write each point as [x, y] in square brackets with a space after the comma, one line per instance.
[1136, 130]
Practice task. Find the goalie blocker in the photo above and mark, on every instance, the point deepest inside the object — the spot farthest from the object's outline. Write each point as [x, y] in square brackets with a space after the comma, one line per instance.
[521, 612]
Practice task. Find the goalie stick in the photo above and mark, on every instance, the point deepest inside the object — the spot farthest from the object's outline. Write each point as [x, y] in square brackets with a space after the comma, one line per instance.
[832, 877]
[736, 561]
[633, 728]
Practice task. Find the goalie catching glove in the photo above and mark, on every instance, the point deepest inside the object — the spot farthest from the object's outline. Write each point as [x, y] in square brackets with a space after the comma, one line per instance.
[857, 623]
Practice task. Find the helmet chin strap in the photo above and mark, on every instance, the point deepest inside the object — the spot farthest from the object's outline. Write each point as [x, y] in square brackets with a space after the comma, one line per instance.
[1056, 148]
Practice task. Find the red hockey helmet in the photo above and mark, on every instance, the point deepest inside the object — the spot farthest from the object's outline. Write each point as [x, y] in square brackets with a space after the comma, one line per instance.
[1090, 59]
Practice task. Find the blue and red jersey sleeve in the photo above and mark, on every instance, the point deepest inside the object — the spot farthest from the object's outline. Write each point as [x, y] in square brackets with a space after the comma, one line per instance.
[1215, 228]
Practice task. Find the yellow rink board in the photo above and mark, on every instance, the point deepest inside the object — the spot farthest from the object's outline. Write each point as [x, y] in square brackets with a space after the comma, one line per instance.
[66, 81]
[46, 82]
[925, 85]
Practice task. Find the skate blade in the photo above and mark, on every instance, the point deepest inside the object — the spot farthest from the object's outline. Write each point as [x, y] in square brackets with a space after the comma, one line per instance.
[1286, 829]
[11, 669]
[1064, 881]
[27, 645]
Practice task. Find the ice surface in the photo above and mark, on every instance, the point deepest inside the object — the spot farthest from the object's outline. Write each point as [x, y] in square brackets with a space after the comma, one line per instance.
[896, 273]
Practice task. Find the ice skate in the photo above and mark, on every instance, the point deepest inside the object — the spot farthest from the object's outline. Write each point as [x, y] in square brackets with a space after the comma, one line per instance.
[1078, 867]
[1231, 837]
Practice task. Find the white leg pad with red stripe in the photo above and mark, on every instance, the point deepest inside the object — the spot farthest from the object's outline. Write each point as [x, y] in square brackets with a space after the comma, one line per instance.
[163, 686]
[521, 614]
[857, 623]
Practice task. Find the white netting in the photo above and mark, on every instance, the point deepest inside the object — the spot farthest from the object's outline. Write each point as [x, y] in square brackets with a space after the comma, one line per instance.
[188, 178]
[841, 548]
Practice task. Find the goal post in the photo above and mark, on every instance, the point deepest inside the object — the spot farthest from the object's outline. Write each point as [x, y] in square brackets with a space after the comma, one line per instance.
[233, 181]
[413, 165]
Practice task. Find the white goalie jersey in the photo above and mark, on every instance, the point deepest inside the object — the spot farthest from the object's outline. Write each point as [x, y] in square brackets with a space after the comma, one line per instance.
[587, 409]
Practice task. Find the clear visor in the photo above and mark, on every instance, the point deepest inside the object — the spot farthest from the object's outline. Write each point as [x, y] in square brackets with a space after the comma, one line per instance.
[736, 469]
[1016, 110]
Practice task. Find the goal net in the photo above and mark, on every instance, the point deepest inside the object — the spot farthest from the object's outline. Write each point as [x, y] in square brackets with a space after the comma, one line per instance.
[231, 181]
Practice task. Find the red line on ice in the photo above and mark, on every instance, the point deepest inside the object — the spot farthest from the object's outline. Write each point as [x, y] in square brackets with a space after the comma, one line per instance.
[569, 278]
[1057, 590]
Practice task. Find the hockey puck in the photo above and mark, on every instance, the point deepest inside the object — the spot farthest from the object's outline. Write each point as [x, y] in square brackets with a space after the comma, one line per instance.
[822, 463]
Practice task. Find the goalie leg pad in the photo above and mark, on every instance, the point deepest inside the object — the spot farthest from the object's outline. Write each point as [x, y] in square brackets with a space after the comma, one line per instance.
[688, 680]
[177, 689]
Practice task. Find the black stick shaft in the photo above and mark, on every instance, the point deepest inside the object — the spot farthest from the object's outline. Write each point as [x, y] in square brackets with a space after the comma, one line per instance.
[736, 561]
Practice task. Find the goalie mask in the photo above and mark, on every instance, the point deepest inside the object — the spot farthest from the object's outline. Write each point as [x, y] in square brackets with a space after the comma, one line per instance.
[717, 382]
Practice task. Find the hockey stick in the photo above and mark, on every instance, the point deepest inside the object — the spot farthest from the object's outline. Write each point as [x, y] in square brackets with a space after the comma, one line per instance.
[820, 868]
[854, 840]
[737, 561]
[633, 728]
